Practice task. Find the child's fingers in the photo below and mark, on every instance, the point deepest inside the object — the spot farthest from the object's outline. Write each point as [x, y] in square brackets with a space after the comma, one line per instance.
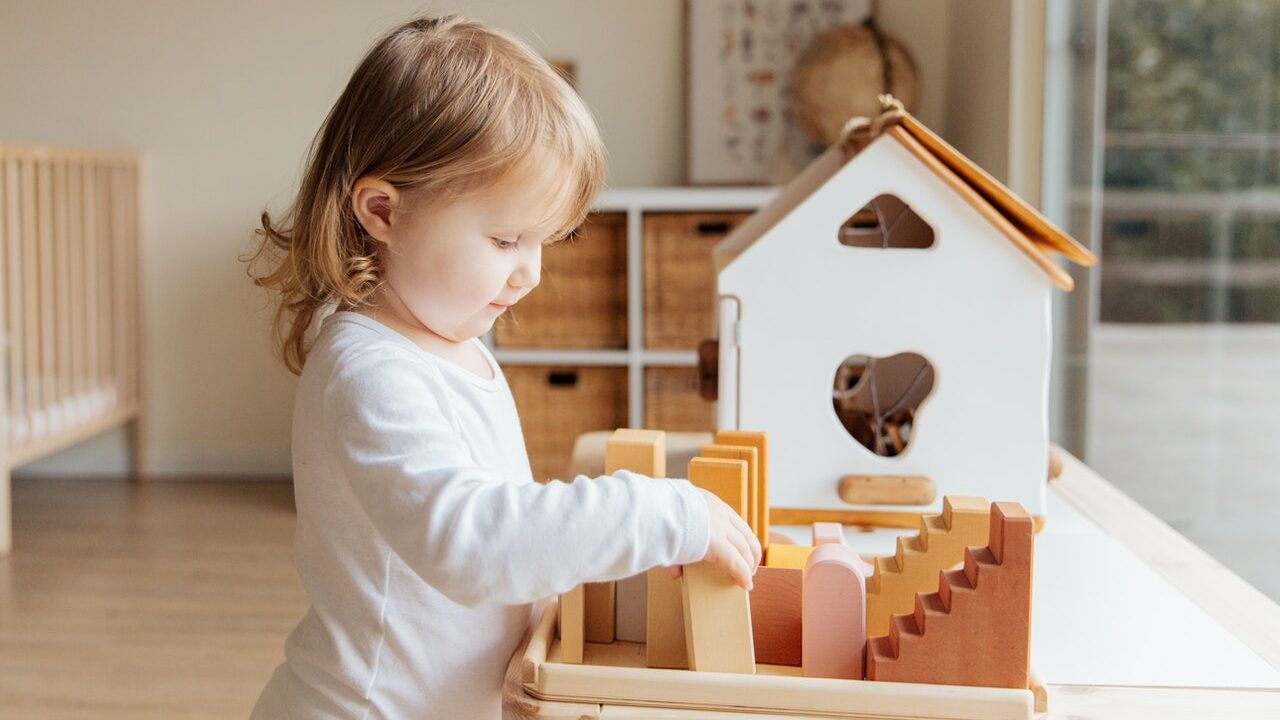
[676, 571]
[757, 553]
[740, 571]
[742, 548]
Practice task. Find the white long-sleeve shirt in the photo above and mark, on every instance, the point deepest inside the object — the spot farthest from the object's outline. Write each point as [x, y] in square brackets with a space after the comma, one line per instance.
[422, 538]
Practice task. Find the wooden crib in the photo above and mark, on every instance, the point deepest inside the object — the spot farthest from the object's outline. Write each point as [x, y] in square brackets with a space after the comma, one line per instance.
[70, 305]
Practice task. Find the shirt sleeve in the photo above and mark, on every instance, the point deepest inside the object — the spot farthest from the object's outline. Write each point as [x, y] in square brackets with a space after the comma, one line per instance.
[474, 535]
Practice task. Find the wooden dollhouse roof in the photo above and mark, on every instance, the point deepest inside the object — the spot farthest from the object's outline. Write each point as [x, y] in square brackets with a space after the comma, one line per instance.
[1024, 226]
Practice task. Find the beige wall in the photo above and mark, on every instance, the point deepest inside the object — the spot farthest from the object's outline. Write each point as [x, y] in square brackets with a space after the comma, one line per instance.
[221, 98]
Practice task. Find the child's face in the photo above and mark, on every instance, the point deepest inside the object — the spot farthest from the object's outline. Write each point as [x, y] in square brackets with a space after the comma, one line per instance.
[459, 263]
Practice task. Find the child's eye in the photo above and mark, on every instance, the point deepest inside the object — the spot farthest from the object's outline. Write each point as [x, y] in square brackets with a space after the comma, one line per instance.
[503, 244]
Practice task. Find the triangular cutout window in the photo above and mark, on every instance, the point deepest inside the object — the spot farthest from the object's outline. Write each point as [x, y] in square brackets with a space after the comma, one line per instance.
[886, 222]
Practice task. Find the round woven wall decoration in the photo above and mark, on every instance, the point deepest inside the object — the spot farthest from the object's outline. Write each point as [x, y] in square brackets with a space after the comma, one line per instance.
[841, 75]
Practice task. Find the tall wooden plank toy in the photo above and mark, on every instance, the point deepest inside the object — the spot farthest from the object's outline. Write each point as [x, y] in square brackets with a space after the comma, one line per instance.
[628, 451]
[717, 612]
[572, 605]
[752, 456]
[834, 613]
[759, 441]
[976, 629]
[645, 452]
[939, 545]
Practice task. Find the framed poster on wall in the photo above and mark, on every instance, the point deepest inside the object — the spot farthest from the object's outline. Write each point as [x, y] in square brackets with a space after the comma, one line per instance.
[740, 54]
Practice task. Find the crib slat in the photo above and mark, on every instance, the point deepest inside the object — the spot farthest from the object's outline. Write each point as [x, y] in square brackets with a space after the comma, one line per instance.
[103, 301]
[62, 320]
[133, 308]
[6, 344]
[75, 263]
[118, 279]
[48, 330]
[31, 288]
[6, 239]
[91, 238]
[13, 284]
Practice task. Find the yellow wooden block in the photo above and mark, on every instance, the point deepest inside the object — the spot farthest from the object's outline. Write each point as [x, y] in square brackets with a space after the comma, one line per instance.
[640, 451]
[752, 456]
[717, 621]
[726, 479]
[572, 605]
[940, 544]
[759, 441]
[787, 556]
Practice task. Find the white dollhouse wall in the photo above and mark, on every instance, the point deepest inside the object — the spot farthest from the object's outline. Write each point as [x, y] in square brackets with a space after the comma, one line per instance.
[971, 304]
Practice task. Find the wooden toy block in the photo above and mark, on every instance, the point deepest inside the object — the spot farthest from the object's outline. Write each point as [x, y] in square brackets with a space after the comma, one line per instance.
[717, 616]
[914, 568]
[828, 532]
[787, 556]
[886, 490]
[640, 451]
[664, 634]
[600, 616]
[572, 621]
[976, 629]
[834, 613]
[776, 598]
[630, 606]
[717, 621]
[726, 479]
[759, 441]
[752, 456]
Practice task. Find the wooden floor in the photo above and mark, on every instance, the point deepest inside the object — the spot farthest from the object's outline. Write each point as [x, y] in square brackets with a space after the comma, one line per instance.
[164, 600]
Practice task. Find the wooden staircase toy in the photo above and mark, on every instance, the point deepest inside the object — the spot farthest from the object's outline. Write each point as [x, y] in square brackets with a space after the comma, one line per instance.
[834, 613]
[976, 629]
[717, 613]
[939, 545]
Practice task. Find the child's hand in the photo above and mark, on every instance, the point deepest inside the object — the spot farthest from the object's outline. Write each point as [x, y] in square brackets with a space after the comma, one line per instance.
[733, 546]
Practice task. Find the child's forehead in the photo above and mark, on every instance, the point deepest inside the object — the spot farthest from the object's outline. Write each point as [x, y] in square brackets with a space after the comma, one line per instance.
[528, 197]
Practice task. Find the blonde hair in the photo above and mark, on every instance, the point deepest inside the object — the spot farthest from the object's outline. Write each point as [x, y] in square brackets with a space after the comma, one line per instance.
[439, 106]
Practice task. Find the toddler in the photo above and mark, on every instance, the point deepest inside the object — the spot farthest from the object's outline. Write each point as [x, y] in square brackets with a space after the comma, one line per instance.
[452, 157]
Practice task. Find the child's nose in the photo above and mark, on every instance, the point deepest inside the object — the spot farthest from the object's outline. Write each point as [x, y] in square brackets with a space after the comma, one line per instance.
[529, 272]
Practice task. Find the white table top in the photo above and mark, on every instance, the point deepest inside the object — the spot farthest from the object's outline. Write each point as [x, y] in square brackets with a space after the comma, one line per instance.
[1102, 616]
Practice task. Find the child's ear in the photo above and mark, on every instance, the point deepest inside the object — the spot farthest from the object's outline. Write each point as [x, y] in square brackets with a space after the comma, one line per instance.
[374, 201]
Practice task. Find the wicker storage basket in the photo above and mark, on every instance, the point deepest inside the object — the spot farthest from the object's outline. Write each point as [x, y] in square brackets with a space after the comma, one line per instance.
[672, 402]
[679, 276]
[559, 403]
[582, 300]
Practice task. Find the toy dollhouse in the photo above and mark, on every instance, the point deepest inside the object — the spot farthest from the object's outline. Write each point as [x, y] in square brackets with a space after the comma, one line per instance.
[886, 320]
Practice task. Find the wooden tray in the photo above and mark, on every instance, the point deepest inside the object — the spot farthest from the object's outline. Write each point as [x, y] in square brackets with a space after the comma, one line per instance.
[615, 673]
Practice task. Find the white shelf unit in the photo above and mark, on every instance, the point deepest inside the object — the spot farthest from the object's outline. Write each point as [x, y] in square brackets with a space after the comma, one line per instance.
[636, 203]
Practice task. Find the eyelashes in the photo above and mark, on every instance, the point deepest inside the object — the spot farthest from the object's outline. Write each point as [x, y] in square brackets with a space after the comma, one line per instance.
[503, 244]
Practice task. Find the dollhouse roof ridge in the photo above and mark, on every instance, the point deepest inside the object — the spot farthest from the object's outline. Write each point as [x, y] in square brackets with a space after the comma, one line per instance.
[1019, 222]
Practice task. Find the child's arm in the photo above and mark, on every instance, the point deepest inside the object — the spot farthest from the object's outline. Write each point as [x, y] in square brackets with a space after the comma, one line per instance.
[478, 537]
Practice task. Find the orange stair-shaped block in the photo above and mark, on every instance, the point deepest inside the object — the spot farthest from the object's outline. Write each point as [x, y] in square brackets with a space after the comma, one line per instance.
[976, 629]
[939, 545]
